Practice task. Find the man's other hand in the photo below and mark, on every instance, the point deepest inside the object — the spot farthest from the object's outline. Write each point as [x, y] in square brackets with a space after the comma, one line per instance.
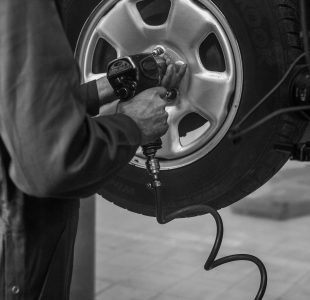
[174, 73]
[147, 109]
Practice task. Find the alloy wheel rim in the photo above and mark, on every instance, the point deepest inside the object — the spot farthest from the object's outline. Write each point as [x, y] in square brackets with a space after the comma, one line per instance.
[210, 94]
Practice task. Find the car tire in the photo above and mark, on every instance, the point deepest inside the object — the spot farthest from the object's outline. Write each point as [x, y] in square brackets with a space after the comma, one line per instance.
[267, 32]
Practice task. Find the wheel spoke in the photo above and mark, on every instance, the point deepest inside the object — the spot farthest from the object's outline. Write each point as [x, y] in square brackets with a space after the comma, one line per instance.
[91, 76]
[189, 24]
[210, 94]
[123, 28]
[171, 144]
[171, 141]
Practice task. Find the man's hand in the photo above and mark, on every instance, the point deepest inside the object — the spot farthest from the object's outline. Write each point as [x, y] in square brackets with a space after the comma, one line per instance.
[147, 109]
[174, 73]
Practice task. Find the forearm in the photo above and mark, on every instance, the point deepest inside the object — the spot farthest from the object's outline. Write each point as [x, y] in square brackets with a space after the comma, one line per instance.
[56, 150]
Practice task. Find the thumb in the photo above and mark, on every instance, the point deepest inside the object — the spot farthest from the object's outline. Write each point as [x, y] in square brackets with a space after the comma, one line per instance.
[161, 91]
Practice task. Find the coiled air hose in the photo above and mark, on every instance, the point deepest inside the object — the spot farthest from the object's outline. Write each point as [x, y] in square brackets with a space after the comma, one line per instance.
[211, 262]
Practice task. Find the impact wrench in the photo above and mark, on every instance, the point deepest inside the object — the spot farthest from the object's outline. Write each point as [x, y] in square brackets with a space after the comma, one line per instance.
[133, 74]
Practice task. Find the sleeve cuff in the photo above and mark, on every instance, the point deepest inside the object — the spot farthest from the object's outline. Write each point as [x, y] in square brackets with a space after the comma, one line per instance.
[125, 124]
[89, 92]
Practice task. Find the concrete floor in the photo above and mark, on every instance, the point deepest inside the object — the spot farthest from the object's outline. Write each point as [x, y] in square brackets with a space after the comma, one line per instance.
[137, 259]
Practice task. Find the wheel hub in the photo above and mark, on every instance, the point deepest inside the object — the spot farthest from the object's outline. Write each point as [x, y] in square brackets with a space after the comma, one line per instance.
[194, 32]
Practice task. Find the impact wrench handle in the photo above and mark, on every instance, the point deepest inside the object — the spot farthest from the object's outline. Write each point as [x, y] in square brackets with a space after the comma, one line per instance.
[133, 74]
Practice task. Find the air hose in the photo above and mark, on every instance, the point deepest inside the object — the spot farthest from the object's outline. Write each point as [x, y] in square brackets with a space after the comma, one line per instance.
[211, 262]
[153, 167]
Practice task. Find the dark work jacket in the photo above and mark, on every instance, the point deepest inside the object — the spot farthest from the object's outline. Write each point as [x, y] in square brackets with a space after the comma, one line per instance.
[52, 152]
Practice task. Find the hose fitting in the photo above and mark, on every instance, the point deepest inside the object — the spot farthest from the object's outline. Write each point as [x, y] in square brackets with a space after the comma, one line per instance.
[152, 163]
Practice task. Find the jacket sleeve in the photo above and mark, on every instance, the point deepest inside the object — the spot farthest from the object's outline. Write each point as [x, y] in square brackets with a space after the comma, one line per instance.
[89, 92]
[56, 150]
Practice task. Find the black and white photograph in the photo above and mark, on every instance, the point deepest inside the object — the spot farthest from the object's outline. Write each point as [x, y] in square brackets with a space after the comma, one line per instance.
[154, 149]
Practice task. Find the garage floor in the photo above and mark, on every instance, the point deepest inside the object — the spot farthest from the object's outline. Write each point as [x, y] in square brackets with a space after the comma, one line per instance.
[138, 259]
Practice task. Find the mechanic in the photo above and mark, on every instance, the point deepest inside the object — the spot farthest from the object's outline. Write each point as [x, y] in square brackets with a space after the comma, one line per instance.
[52, 152]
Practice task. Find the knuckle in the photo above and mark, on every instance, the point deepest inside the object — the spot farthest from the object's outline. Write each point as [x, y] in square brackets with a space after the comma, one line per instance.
[165, 128]
[161, 102]
[154, 93]
[161, 89]
[162, 107]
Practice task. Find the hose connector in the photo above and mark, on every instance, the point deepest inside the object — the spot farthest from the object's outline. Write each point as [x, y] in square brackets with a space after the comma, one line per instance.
[152, 163]
[153, 167]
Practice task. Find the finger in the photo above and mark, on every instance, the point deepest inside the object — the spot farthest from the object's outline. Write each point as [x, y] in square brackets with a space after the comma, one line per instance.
[160, 60]
[173, 69]
[161, 104]
[181, 71]
[165, 128]
[180, 74]
[168, 76]
[162, 116]
[166, 115]
[161, 91]
[174, 79]
[167, 58]
[178, 66]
